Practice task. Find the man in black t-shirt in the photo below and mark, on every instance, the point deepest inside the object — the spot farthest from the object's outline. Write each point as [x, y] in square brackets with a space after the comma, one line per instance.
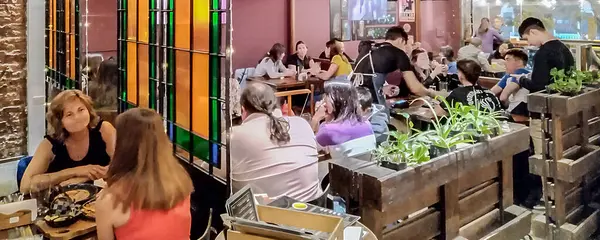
[387, 57]
[471, 93]
[552, 53]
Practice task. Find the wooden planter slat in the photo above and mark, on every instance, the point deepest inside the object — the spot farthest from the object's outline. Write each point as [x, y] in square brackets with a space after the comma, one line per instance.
[569, 231]
[342, 171]
[516, 228]
[559, 105]
[424, 226]
[455, 189]
[571, 170]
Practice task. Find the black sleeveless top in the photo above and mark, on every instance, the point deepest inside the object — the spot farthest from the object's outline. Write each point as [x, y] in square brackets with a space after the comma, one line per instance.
[96, 154]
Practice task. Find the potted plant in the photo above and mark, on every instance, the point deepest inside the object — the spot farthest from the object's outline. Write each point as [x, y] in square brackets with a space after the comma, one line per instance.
[401, 152]
[567, 84]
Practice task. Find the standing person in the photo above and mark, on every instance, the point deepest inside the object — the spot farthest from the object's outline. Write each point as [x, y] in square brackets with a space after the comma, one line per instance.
[552, 53]
[488, 36]
[148, 193]
[387, 57]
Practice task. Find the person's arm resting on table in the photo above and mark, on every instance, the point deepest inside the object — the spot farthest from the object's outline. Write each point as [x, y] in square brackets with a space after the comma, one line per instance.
[335, 62]
[511, 87]
[36, 170]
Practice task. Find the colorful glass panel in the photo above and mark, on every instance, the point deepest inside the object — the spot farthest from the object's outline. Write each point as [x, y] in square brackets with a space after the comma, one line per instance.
[132, 73]
[143, 75]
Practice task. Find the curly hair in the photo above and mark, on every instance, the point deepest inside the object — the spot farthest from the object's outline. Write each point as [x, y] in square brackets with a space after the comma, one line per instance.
[56, 111]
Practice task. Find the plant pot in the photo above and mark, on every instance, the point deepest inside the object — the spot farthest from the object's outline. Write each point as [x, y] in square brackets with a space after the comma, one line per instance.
[394, 166]
[435, 151]
[593, 85]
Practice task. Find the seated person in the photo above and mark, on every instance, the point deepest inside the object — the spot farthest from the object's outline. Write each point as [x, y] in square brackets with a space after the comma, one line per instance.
[276, 155]
[103, 86]
[508, 88]
[78, 148]
[473, 52]
[423, 69]
[340, 66]
[300, 59]
[271, 66]
[342, 120]
[470, 93]
[447, 55]
[499, 54]
[374, 113]
[326, 54]
[148, 192]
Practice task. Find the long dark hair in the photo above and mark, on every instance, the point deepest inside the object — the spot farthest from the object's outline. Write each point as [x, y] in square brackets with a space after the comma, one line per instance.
[481, 30]
[344, 100]
[260, 98]
[336, 49]
[276, 50]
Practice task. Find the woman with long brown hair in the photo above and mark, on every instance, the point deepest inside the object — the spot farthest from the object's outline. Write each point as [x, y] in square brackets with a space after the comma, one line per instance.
[340, 65]
[78, 147]
[271, 66]
[148, 193]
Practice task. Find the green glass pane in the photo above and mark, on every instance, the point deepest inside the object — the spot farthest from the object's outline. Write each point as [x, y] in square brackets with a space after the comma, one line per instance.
[215, 79]
[215, 123]
[152, 86]
[198, 146]
[215, 35]
[215, 5]
[171, 101]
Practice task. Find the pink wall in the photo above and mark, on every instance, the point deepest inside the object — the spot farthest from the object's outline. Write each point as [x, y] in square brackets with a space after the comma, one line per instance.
[102, 30]
[439, 24]
[255, 33]
[257, 25]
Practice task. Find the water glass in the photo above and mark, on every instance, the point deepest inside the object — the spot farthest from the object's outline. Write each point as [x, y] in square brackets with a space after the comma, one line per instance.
[444, 86]
[40, 190]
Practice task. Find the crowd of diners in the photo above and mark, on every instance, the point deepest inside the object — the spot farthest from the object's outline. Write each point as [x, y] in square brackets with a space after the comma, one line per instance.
[148, 191]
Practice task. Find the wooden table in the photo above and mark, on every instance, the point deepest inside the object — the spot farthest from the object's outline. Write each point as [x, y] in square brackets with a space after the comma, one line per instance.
[285, 87]
[369, 236]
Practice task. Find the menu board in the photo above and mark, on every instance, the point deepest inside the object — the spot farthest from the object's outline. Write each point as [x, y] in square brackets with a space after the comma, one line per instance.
[242, 205]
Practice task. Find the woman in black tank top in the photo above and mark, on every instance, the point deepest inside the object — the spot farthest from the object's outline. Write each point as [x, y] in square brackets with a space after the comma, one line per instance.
[78, 148]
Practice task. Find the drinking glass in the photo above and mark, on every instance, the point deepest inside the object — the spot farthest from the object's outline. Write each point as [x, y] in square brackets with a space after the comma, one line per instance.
[444, 86]
[40, 190]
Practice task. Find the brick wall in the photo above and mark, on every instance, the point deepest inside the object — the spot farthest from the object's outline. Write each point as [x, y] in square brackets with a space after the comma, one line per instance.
[13, 78]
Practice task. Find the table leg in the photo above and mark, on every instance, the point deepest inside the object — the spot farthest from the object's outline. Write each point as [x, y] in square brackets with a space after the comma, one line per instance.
[312, 99]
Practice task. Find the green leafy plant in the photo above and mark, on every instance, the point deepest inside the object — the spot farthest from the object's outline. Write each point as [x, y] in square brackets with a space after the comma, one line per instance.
[443, 134]
[404, 148]
[566, 83]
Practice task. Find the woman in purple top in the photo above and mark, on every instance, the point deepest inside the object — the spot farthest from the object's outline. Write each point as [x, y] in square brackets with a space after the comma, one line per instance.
[488, 36]
[342, 121]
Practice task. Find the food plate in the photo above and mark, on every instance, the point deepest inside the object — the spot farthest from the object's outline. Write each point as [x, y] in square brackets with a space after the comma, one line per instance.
[78, 193]
[63, 212]
[89, 209]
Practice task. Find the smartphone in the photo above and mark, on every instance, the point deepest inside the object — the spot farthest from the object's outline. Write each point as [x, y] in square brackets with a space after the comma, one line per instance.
[400, 104]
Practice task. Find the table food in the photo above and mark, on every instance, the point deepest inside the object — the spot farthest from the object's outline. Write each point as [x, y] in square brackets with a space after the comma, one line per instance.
[89, 209]
[77, 195]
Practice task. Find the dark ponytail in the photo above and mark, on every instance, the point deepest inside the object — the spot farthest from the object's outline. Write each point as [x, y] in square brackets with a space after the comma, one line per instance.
[260, 98]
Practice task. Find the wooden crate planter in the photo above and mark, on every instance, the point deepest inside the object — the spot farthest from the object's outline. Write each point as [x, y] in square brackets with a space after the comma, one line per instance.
[467, 193]
[570, 164]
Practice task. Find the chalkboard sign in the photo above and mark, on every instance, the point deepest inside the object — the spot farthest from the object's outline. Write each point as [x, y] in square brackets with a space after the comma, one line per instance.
[242, 205]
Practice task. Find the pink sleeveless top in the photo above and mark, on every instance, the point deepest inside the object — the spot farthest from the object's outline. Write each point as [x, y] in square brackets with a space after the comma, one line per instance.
[172, 224]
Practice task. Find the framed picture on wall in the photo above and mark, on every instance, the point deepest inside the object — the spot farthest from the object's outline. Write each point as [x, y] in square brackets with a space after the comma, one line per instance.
[362, 19]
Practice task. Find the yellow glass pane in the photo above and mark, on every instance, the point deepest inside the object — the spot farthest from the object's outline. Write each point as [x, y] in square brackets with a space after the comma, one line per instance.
[131, 19]
[201, 25]
[182, 89]
[182, 24]
[132, 73]
[143, 68]
[200, 95]
[67, 16]
[143, 10]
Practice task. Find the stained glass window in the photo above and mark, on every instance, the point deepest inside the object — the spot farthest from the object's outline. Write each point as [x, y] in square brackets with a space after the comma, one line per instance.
[170, 60]
[62, 46]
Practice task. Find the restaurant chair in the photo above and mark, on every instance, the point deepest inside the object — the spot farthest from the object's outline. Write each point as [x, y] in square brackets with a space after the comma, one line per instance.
[325, 200]
[209, 228]
[242, 75]
[21, 166]
[289, 94]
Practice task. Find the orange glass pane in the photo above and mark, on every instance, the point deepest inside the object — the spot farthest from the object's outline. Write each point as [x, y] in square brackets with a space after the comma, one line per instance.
[143, 68]
[72, 59]
[67, 16]
[200, 95]
[131, 20]
[132, 73]
[182, 89]
[201, 25]
[143, 10]
[182, 24]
